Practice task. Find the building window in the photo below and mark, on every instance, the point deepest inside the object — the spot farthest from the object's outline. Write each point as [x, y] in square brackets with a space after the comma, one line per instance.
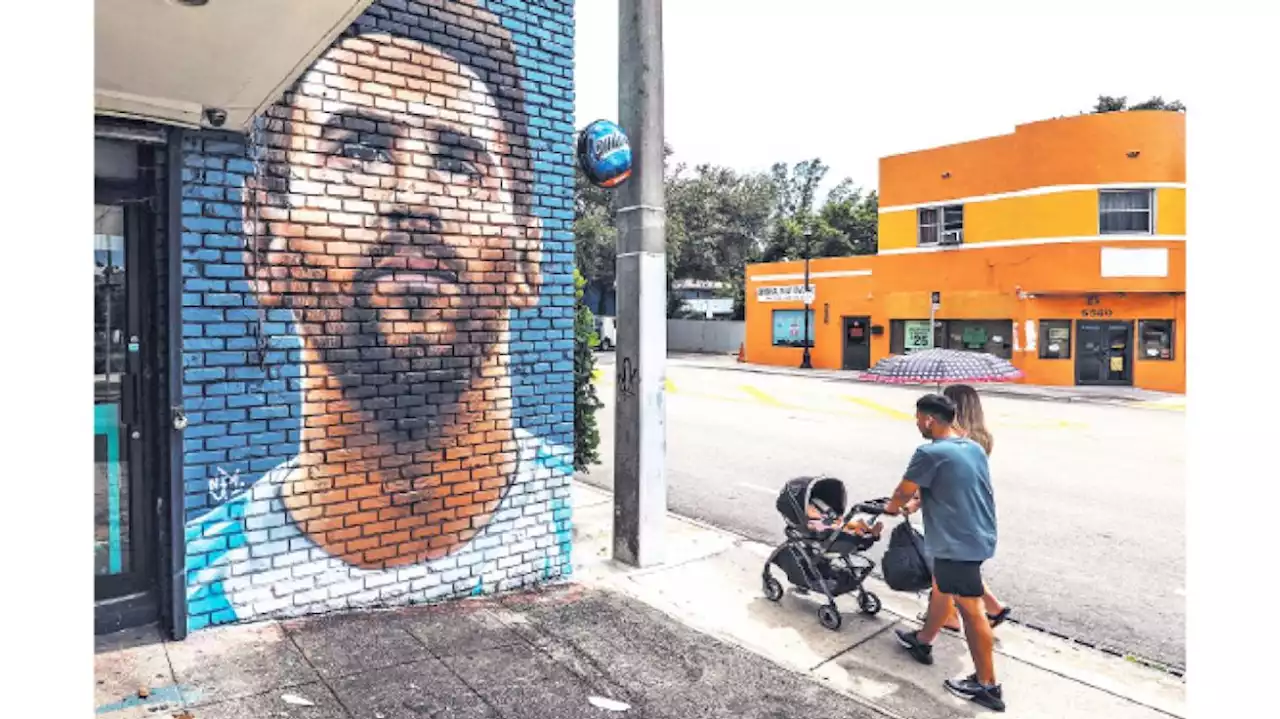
[941, 225]
[990, 336]
[1156, 338]
[1055, 339]
[788, 328]
[1126, 212]
[911, 335]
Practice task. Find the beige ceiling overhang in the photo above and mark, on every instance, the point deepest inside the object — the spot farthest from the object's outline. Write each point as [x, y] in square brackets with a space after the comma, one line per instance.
[193, 62]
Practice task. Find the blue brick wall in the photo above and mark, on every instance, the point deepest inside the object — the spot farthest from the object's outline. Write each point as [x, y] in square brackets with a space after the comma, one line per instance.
[248, 367]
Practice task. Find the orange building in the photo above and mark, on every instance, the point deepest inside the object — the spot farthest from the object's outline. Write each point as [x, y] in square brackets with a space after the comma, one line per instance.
[1060, 247]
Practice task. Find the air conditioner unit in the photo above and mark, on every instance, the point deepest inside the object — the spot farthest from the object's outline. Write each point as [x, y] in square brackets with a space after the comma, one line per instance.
[951, 237]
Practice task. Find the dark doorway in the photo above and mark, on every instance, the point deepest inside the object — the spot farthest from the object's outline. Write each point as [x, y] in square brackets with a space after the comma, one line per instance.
[857, 343]
[1104, 353]
[128, 363]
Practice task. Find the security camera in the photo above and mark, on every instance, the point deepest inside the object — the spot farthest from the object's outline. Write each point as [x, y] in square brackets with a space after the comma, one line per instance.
[215, 116]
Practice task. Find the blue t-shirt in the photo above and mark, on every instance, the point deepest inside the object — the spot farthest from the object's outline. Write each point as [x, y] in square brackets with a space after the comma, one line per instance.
[956, 499]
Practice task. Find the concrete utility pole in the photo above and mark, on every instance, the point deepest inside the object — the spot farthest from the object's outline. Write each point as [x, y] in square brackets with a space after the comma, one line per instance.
[640, 445]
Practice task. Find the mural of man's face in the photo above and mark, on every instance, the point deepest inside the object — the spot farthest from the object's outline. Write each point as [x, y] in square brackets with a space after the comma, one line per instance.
[402, 251]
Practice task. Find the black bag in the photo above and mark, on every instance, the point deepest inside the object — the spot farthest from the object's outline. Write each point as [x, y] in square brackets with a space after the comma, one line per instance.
[904, 565]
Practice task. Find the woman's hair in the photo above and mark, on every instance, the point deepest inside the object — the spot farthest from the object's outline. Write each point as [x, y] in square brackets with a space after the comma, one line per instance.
[969, 415]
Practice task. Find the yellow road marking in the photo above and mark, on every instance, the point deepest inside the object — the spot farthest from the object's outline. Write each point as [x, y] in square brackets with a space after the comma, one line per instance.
[671, 386]
[877, 407]
[762, 397]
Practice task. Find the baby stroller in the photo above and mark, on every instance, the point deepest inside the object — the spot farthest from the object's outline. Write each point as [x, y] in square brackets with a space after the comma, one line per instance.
[830, 561]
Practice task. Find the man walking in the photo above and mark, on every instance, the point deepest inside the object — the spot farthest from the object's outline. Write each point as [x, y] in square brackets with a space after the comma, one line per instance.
[951, 475]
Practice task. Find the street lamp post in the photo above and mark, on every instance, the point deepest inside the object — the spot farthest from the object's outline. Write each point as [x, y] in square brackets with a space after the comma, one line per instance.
[805, 362]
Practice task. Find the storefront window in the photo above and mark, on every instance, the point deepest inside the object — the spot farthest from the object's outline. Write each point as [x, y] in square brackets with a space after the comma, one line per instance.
[991, 336]
[1156, 341]
[788, 328]
[911, 335]
[1055, 339]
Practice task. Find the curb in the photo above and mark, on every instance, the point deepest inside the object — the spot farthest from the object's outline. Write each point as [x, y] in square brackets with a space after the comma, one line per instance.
[993, 390]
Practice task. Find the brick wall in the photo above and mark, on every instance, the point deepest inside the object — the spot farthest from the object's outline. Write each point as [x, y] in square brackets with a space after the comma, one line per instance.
[377, 321]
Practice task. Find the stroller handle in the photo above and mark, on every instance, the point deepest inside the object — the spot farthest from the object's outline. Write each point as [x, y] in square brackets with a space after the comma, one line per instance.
[871, 506]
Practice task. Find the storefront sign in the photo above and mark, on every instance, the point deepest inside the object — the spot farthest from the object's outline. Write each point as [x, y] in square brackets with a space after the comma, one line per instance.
[785, 293]
[917, 335]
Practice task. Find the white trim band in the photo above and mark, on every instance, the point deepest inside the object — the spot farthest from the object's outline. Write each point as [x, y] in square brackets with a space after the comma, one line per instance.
[1034, 191]
[812, 275]
[1102, 239]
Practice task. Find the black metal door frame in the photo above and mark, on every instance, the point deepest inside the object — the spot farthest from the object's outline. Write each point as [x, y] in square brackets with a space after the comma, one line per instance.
[1104, 328]
[846, 323]
[154, 588]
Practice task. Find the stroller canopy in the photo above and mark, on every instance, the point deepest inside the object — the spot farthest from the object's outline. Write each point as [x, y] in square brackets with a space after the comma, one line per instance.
[797, 493]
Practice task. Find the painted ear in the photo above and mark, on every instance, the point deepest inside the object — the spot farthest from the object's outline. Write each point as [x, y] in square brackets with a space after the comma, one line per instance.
[526, 279]
[258, 248]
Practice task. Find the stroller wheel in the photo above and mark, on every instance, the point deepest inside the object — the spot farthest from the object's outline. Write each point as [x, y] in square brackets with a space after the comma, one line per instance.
[869, 603]
[772, 589]
[829, 616]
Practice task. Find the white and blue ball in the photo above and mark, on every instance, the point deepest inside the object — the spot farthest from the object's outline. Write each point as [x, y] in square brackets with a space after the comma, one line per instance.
[604, 153]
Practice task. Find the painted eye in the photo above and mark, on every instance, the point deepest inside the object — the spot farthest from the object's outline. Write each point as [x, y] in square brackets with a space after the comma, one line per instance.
[463, 168]
[363, 152]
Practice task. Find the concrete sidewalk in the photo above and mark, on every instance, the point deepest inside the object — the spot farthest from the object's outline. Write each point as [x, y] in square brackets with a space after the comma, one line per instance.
[692, 638]
[536, 655]
[1123, 396]
[712, 582]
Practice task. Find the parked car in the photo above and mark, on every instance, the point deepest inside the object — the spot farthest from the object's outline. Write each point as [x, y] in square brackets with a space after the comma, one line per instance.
[606, 333]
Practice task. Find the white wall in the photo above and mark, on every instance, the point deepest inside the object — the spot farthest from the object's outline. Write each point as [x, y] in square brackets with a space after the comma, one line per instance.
[705, 336]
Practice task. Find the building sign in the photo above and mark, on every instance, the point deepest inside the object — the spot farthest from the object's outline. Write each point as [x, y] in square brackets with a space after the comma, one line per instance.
[785, 293]
[917, 335]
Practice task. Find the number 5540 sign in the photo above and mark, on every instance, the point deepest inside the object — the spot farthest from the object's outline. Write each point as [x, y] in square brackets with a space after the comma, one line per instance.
[1095, 312]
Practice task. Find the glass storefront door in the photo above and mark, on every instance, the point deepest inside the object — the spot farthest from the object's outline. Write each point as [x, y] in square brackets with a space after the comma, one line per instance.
[123, 534]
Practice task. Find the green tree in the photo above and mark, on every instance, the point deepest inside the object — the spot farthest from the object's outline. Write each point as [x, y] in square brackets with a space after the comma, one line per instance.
[586, 432]
[1107, 103]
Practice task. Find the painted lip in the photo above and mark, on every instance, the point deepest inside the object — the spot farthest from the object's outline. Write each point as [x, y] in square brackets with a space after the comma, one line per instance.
[415, 273]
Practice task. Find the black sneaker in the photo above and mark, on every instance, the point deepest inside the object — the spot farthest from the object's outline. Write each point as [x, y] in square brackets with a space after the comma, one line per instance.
[991, 697]
[918, 650]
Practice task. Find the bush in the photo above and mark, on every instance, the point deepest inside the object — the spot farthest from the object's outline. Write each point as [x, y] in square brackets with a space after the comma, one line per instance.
[586, 434]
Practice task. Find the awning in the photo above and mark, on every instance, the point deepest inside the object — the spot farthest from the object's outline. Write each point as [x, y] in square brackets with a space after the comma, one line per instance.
[179, 62]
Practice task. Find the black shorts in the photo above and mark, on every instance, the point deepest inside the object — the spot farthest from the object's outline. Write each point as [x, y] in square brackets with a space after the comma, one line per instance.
[963, 579]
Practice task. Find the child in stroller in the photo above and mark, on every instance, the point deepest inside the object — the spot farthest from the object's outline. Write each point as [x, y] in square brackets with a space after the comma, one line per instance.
[825, 545]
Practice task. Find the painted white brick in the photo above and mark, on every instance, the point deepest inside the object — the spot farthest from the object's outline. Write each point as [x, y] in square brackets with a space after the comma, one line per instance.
[378, 579]
[346, 588]
[300, 543]
[265, 522]
[289, 559]
[408, 574]
[336, 604]
[395, 593]
[470, 559]
[271, 605]
[208, 575]
[308, 568]
[255, 595]
[251, 566]
[364, 599]
[257, 537]
[508, 562]
[292, 586]
[268, 549]
[496, 553]
[271, 577]
[422, 585]
[454, 575]
[314, 596]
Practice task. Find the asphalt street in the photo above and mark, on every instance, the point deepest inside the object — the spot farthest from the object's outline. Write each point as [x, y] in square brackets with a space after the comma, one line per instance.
[1090, 498]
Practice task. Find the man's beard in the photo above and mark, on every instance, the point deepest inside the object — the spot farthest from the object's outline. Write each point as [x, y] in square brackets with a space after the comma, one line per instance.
[407, 385]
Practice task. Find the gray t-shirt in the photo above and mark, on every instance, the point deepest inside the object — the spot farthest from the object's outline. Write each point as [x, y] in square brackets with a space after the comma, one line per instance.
[956, 499]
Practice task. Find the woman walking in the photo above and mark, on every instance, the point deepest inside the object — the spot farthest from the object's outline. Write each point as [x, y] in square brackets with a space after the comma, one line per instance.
[972, 423]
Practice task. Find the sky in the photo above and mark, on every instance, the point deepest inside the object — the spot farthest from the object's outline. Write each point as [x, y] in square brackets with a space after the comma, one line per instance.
[753, 82]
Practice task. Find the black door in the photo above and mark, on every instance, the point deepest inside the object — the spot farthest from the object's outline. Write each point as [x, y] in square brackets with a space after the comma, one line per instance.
[124, 479]
[857, 343]
[1104, 353]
